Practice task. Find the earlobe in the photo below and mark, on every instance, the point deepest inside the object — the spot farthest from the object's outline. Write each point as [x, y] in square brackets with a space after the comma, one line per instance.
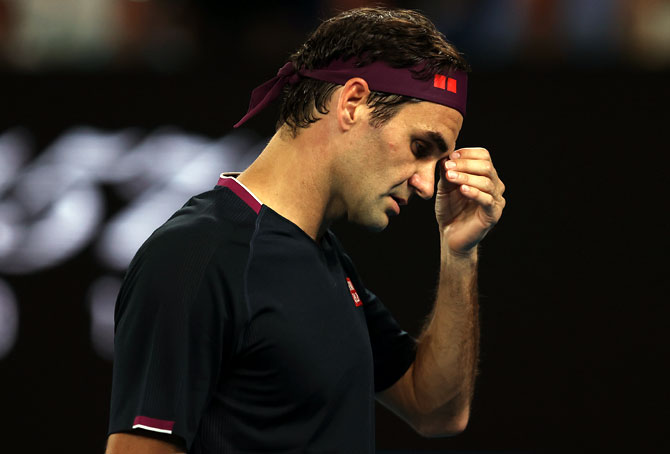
[352, 102]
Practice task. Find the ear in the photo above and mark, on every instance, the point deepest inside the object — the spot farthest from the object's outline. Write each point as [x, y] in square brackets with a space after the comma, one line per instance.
[351, 103]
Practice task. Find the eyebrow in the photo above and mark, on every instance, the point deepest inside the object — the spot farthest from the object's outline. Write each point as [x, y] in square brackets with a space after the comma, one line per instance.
[437, 139]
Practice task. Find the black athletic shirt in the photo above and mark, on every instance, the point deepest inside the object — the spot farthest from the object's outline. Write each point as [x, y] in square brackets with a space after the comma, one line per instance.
[235, 332]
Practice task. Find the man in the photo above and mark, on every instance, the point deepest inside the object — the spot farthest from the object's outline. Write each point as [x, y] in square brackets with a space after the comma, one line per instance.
[242, 326]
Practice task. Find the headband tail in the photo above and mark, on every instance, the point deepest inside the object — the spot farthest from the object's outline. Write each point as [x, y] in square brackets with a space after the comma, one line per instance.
[262, 96]
[268, 92]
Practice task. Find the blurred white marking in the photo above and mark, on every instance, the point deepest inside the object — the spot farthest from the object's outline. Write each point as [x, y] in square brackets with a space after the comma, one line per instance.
[101, 300]
[9, 319]
[14, 153]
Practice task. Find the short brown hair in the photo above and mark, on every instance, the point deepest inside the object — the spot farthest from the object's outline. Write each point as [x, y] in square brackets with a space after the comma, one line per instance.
[402, 38]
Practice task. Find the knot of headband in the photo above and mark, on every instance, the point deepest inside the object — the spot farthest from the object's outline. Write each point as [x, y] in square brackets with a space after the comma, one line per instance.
[288, 71]
[448, 89]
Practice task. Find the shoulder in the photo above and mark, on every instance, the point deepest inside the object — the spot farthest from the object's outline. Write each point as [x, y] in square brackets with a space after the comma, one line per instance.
[204, 240]
[207, 223]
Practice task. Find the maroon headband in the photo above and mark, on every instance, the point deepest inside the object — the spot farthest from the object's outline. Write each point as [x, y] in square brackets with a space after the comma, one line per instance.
[447, 89]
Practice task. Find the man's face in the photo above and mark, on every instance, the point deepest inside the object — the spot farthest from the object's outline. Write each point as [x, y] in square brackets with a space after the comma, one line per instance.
[389, 164]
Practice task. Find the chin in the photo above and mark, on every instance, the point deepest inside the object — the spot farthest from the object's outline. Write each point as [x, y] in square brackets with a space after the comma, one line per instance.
[373, 218]
[376, 224]
[376, 228]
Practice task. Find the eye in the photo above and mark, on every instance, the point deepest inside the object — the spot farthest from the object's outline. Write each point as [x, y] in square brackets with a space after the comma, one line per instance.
[420, 149]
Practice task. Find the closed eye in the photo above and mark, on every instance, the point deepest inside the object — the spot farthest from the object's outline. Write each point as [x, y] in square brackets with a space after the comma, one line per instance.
[420, 149]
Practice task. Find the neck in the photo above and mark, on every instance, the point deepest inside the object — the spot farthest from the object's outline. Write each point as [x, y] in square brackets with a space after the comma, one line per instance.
[292, 176]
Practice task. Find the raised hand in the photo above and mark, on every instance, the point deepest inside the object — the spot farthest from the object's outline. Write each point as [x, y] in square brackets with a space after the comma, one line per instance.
[469, 199]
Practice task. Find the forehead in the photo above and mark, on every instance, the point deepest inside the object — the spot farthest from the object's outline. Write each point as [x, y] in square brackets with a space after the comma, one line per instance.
[427, 117]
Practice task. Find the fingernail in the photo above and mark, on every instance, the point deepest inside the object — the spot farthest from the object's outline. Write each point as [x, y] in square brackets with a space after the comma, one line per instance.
[466, 188]
[455, 155]
[451, 174]
[450, 164]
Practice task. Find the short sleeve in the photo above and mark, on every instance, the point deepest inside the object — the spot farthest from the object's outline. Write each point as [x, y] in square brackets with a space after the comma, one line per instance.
[393, 349]
[171, 326]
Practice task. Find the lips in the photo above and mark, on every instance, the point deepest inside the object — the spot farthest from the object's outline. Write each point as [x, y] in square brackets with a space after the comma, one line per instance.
[399, 200]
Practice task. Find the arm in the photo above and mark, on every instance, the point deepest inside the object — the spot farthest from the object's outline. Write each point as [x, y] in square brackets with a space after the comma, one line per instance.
[434, 395]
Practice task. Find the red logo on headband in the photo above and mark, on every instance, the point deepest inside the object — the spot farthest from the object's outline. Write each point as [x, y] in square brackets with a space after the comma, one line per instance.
[451, 85]
[444, 83]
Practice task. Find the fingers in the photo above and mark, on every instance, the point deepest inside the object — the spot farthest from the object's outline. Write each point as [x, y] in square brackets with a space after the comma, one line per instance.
[473, 166]
[476, 161]
[473, 171]
[473, 153]
[482, 197]
[480, 183]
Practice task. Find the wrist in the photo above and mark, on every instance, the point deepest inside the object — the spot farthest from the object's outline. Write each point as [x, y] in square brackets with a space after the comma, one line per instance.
[451, 256]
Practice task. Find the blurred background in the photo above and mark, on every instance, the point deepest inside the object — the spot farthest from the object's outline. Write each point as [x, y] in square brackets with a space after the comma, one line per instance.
[114, 112]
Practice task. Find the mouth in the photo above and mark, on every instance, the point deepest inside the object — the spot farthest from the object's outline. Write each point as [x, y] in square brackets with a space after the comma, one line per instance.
[397, 203]
[399, 200]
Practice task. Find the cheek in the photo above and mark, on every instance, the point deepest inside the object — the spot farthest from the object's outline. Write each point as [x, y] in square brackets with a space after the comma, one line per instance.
[392, 149]
[388, 156]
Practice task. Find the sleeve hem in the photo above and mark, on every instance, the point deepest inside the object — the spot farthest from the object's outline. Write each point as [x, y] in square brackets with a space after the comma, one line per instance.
[399, 367]
[174, 439]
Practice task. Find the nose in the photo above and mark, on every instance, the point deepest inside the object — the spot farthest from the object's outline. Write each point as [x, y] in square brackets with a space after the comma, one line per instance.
[423, 181]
